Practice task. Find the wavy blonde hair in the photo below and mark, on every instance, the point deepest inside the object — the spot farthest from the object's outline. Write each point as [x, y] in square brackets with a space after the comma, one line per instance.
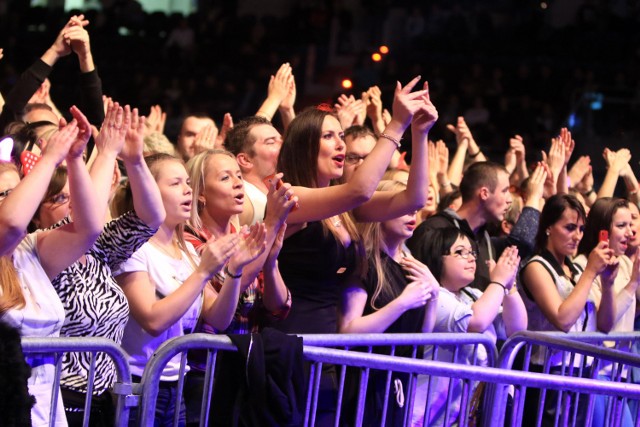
[372, 237]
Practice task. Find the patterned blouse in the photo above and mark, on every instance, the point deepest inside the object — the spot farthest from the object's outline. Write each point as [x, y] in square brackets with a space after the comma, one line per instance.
[250, 312]
[94, 304]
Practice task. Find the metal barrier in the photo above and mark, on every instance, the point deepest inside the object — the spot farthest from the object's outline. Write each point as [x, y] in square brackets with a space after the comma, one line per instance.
[368, 343]
[455, 396]
[565, 355]
[364, 362]
[58, 346]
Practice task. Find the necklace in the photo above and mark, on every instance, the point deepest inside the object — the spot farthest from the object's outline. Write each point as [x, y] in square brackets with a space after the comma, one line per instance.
[175, 254]
[337, 222]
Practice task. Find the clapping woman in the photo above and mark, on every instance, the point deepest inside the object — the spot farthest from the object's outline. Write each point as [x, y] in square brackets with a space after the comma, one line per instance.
[29, 301]
[165, 281]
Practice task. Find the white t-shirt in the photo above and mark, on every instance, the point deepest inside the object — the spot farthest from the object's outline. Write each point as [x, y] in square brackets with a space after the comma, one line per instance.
[453, 314]
[42, 316]
[166, 274]
[258, 199]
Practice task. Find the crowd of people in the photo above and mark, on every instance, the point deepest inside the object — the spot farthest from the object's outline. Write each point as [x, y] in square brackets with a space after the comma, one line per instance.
[108, 229]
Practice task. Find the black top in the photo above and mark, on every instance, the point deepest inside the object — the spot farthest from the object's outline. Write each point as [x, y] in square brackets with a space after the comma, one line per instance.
[314, 265]
[30, 80]
[410, 321]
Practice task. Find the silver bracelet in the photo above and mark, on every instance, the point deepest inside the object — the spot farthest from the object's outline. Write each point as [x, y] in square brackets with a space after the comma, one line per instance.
[392, 139]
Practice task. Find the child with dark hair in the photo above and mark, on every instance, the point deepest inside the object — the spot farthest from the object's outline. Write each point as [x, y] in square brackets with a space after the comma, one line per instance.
[498, 312]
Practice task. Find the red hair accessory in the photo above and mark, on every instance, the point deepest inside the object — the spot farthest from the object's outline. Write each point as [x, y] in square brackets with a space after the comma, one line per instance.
[28, 160]
[325, 107]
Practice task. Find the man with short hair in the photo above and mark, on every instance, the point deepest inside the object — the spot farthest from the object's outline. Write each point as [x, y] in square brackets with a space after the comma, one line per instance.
[360, 141]
[256, 144]
[197, 133]
[485, 198]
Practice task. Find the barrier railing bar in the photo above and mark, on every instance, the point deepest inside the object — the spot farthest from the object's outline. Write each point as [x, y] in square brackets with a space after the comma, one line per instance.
[90, 381]
[212, 357]
[122, 387]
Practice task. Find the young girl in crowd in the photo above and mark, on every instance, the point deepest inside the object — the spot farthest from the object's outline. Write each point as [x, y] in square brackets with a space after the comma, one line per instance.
[94, 304]
[28, 300]
[614, 216]
[558, 293]
[398, 295]
[498, 312]
[167, 288]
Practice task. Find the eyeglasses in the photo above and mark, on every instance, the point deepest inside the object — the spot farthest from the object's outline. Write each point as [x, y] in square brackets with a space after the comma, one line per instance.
[5, 193]
[464, 253]
[59, 199]
[353, 158]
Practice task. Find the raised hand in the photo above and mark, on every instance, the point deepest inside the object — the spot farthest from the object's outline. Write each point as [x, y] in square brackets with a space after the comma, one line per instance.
[425, 117]
[550, 187]
[205, 139]
[279, 85]
[600, 257]
[461, 131]
[216, 253]
[251, 245]
[515, 154]
[60, 142]
[61, 47]
[568, 143]
[506, 267]
[407, 103]
[442, 155]
[133, 149]
[84, 133]
[227, 125]
[536, 184]
[555, 159]
[350, 111]
[289, 100]
[78, 39]
[280, 201]
[623, 156]
[386, 117]
[156, 120]
[114, 127]
[579, 169]
[417, 271]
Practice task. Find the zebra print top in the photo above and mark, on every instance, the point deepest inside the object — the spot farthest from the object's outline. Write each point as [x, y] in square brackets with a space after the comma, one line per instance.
[94, 304]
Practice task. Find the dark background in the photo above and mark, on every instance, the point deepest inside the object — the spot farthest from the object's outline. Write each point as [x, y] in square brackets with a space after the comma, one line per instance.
[510, 66]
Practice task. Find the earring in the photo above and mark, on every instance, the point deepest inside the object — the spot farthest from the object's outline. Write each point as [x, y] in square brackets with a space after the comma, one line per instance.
[547, 232]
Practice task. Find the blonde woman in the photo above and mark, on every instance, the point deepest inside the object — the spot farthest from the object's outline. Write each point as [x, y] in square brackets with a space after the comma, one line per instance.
[165, 281]
[398, 295]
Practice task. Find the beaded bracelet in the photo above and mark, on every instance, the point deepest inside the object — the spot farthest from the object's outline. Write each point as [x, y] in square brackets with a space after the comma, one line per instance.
[392, 139]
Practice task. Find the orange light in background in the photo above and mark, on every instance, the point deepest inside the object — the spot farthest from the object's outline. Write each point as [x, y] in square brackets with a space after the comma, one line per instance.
[384, 49]
[347, 84]
[376, 57]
